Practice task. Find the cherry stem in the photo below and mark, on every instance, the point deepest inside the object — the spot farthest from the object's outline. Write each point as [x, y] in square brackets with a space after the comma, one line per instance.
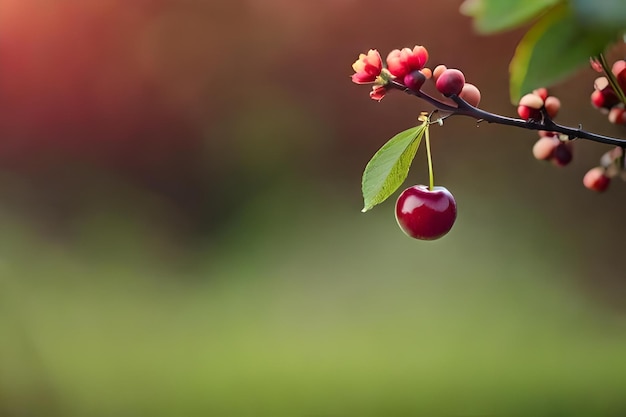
[431, 176]
[463, 108]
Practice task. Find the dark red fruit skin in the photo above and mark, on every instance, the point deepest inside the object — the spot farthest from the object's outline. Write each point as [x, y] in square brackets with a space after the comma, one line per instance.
[563, 154]
[414, 80]
[450, 82]
[424, 214]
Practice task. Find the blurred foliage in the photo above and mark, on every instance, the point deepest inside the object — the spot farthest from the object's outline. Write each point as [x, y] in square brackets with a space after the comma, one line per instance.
[562, 38]
[181, 234]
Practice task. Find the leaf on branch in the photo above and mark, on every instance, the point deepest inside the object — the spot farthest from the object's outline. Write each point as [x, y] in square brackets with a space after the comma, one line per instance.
[389, 167]
[555, 47]
[497, 15]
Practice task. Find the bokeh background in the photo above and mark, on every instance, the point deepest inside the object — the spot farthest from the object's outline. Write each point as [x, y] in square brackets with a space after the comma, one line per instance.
[180, 225]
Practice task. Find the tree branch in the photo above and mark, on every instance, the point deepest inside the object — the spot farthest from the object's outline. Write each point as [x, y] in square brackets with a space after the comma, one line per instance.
[466, 109]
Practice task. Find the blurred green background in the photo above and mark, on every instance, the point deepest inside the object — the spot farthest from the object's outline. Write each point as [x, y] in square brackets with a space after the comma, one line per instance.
[181, 230]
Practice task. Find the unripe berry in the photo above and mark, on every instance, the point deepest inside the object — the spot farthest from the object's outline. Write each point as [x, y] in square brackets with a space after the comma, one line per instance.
[562, 154]
[450, 82]
[439, 69]
[530, 107]
[531, 100]
[617, 115]
[427, 72]
[471, 94]
[552, 105]
[543, 149]
[618, 67]
[609, 158]
[596, 179]
[541, 93]
[414, 80]
[600, 83]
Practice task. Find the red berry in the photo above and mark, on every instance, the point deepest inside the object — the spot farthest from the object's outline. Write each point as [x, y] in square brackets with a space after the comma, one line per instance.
[604, 96]
[596, 179]
[530, 107]
[450, 82]
[425, 214]
[528, 113]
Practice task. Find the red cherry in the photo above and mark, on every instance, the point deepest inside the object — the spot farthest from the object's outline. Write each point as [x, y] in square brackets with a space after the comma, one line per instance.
[425, 214]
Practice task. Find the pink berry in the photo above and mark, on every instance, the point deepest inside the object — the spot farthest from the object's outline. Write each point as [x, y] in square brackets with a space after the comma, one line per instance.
[618, 67]
[425, 214]
[531, 100]
[617, 115]
[552, 105]
[542, 93]
[543, 149]
[450, 82]
[596, 179]
[471, 94]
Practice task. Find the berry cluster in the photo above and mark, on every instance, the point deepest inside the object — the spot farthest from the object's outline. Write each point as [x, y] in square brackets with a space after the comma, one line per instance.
[551, 146]
[407, 68]
[608, 97]
[429, 212]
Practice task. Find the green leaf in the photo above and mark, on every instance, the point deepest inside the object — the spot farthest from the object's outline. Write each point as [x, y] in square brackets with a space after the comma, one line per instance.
[555, 47]
[497, 15]
[601, 13]
[389, 167]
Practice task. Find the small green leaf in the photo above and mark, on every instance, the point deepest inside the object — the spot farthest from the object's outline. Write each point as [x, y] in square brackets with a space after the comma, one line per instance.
[555, 47]
[497, 15]
[389, 167]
